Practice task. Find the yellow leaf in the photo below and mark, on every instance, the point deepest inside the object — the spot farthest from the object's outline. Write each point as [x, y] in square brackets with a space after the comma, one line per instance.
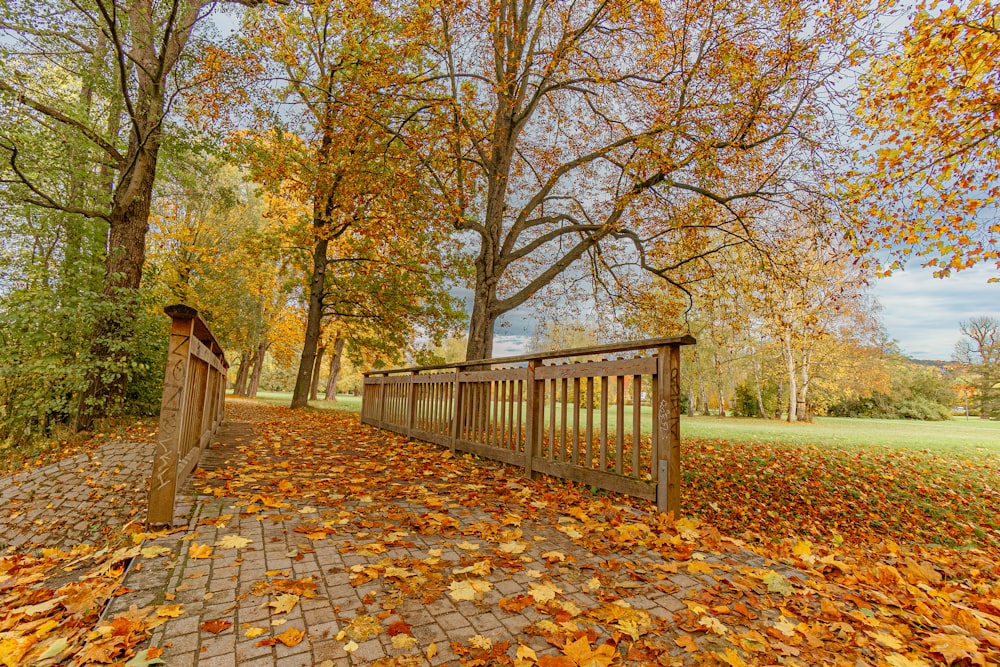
[481, 642]
[253, 633]
[731, 657]
[155, 551]
[401, 642]
[170, 610]
[543, 592]
[284, 603]
[897, 660]
[291, 637]
[232, 542]
[469, 589]
[351, 646]
[513, 547]
[886, 639]
[697, 566]
[199, 550]
[432, 650]
[802, 548]
[467, 546]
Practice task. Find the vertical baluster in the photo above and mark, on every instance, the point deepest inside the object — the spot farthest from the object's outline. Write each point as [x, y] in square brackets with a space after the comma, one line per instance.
[552, 418]
[563, 441]
[620, 425]
[576, 422]
[512, 387]
[590, 423]
[604, 423]
[636, 424]
[520, 400]
[498, 414]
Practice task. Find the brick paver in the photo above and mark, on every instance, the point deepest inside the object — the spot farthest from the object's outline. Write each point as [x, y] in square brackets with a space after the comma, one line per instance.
[78, 500]
[236, 584]
[361, 552]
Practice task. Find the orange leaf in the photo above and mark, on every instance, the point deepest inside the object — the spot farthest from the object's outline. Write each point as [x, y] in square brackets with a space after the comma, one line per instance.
[216, 626]
[291, 637]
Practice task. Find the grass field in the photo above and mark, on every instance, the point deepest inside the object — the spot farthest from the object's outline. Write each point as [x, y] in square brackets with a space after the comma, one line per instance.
[972, 438]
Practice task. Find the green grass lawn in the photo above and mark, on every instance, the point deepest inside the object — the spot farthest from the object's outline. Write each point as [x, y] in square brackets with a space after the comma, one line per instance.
[972, 438]
[345, 402]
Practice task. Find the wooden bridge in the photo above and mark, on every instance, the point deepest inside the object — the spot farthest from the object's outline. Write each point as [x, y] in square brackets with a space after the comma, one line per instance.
[560, 413]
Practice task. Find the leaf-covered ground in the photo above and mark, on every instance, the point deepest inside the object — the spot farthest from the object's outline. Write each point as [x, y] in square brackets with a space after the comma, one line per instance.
[871, 589]
[763, 491]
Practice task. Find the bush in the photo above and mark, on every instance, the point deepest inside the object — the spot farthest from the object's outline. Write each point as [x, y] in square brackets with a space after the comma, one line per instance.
[746, 399]
[46, 363]
[922, 408]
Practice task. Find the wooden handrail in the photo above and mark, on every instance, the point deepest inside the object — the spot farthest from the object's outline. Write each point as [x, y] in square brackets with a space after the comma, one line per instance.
[194, 392]
[611, 348]
[549, 419]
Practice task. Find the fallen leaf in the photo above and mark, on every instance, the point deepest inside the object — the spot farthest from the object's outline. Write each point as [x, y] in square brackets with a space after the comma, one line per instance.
[232, 542]
[291, 637]
[200, 550]
[284, 603]
[216, 626]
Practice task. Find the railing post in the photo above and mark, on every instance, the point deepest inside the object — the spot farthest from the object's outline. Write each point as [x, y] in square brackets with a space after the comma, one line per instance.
[668, 429]
[411, 404]
[533, 420]
[381, 400]
[456, 413]
[163, 481]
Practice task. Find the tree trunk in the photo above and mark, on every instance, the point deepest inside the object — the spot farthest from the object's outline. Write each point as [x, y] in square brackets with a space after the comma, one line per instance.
[242, 371]
[258, 368]
[317, 286]
[792, 388]
[800, 408]
[335, 362]
[317, 369]
[704, 400]
[691, 402]
[110, 338]
[756, 384]
[481, 324]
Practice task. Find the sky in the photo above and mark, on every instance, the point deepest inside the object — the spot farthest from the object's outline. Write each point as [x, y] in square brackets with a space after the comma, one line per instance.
[920, 312]
[923, 313]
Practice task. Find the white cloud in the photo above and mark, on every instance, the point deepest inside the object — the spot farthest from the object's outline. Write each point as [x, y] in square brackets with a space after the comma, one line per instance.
[923, 312]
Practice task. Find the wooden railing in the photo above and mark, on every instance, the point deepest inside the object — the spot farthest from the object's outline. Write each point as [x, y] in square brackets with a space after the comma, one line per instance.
[550, 418]
[194, 392]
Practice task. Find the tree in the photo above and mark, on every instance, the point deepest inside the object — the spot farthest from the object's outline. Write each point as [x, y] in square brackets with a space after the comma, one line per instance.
[326, 76]
[127, 60]
[979, 353]
[576, 127]
[930, 129]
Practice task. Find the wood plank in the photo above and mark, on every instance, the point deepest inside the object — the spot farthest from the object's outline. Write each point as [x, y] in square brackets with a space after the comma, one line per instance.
[636, 425]
[552, 420]
[604, 424]
[642, 366]
[438, 378]
[492, 453]
[491, 376]
[532, 421]
[576, 422]
[590, 424]
[611, 348]
[620, 425]
[564, 411]
[606, 480]
[163, 481]
[435, 438]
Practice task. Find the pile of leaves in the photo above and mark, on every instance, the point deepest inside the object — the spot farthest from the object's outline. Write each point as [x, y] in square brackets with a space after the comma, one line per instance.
[860, 599]
[761, 491]
[51, 607]
[818, 592]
